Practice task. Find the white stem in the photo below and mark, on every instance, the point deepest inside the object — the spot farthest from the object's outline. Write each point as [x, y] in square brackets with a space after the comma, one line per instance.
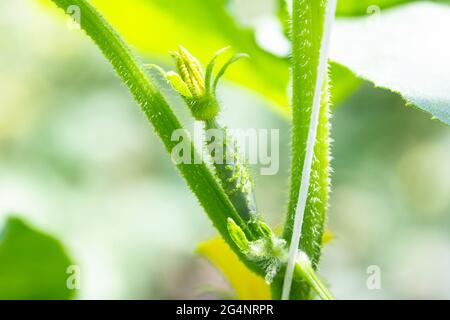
[312, 134]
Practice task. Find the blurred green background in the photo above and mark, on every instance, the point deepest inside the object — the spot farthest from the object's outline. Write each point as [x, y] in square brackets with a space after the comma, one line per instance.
[79, 160]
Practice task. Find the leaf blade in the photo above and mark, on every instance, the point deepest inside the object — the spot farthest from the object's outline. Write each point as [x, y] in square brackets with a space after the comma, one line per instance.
[383, 51]
[33, 265]
[183, 21]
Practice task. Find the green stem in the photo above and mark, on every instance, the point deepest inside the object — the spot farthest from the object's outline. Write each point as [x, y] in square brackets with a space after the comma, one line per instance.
[304, 270]
[199, 178]
[308, 21]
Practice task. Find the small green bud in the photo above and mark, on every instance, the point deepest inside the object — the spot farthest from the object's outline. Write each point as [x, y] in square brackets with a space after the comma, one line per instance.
[268, 251]
[196, 87]
[191, 71]
[238, 236]
[178, 84]
[265, 230]
[195, 69]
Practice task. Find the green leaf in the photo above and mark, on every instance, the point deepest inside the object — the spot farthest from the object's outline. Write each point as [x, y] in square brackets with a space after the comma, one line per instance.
[33, 265]
[184, 20]
[155, 27]
[284, 16]
[405, 50]
[153, 103]
[361, 7]
[343, 83]
[347, 7]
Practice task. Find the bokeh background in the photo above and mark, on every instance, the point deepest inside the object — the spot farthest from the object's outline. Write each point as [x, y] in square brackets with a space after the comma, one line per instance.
[79, 160]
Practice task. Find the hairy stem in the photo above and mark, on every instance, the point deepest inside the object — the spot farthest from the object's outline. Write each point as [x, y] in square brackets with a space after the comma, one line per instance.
[308, 25]
[199, 178]
[303, 270]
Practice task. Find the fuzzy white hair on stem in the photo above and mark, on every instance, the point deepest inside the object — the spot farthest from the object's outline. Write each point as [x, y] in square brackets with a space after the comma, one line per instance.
[310, 144]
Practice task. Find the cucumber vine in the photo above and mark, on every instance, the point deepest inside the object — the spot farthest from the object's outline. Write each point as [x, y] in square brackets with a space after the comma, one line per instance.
[225, 189]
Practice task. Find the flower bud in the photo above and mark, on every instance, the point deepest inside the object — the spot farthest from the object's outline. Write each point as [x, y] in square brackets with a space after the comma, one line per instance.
[238, 236]
[196, 87]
